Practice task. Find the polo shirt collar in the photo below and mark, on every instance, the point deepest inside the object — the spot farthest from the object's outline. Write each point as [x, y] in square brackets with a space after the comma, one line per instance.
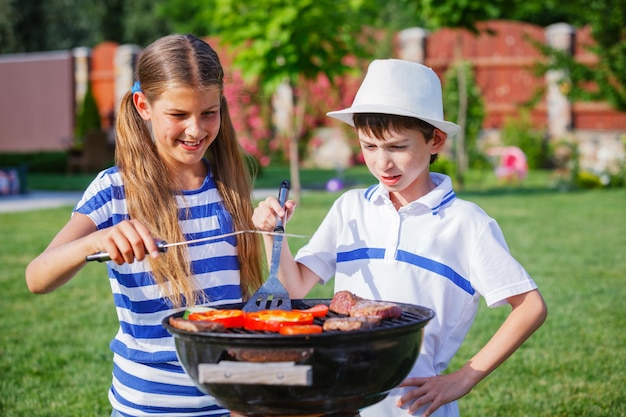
[434, 200]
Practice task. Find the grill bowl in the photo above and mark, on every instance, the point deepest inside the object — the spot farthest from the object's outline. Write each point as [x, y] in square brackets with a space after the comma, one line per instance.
[348, 370]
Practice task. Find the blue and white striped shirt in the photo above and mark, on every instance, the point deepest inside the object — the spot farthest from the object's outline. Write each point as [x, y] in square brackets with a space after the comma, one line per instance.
[148, 380]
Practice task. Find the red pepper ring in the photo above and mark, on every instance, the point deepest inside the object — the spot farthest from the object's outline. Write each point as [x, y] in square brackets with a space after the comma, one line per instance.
[318, 310]
[229, 318]
[297, 329]
[273, 320]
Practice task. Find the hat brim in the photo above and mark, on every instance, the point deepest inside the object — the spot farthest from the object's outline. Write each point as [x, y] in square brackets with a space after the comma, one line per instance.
[345, 116]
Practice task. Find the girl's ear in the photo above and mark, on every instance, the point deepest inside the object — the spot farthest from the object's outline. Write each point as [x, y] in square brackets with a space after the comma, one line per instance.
[141, 104]
[439, 139]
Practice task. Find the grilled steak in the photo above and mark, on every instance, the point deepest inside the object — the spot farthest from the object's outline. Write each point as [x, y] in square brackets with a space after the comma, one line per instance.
[196, 325]
[343, 301]
[381, 309]
[347, 324]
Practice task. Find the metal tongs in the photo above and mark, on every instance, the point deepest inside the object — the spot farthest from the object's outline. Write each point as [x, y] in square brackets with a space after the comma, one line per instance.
[163, 246]
[272, 295]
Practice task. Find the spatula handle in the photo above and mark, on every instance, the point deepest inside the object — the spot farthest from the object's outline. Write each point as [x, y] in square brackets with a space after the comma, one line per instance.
[283, 193]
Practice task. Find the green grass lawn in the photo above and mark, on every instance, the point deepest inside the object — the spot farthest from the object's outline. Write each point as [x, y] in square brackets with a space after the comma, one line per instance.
[55, 360]
[268, 177]
[271, 176]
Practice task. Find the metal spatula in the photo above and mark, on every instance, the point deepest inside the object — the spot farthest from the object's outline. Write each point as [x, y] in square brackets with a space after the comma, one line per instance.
[272, 295]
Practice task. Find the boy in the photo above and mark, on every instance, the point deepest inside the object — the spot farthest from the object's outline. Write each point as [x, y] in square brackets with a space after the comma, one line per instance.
[409, 239]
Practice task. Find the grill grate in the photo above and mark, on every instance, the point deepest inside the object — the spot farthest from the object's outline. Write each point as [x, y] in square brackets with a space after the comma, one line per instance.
[407, 318]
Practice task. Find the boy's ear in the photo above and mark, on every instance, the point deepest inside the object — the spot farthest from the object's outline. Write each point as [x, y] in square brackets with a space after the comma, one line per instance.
[141, 104]
[439, 139]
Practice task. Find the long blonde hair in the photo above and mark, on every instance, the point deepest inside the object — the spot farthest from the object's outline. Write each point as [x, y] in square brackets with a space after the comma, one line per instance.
[183, 60]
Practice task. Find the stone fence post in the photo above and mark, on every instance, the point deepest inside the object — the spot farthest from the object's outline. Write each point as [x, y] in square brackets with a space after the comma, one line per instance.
[124, 64]
[560, 120]
[412, 44]
[82, 69]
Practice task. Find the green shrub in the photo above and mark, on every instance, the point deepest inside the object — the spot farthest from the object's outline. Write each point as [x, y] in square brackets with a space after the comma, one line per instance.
[570, 175]
[587, 180]
[252, 164]
[475, 109]
[445, 166]
[45, 162]
[518, 131]
[88, 117]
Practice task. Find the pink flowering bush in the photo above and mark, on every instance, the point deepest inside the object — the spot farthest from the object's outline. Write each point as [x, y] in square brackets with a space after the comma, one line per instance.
[324, 96]
[251, 113]
[248, 110]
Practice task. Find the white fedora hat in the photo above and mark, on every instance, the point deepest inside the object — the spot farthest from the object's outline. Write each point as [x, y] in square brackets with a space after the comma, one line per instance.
[404, 88]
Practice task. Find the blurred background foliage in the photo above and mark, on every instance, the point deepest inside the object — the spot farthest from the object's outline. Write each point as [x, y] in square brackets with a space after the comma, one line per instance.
[302, 40]
[44, 25]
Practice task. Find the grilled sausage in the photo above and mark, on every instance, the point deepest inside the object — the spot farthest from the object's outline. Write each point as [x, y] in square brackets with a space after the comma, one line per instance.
[196, 325]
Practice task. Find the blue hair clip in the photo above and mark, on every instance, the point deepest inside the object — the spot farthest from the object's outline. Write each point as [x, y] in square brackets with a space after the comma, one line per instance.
[136, 88]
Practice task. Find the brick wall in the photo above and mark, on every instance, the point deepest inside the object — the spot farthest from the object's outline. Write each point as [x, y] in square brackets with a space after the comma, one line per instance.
[37, 99]
[503, 59]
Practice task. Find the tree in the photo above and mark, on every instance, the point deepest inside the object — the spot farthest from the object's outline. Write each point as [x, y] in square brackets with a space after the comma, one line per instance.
[143, 21]
[38, 25]
[475, 108]
[606, 79]
[460, 14]
[7, 36]
[282, 41]
[88, 117]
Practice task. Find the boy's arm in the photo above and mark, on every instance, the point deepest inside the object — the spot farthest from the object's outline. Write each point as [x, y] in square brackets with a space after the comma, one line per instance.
[528, 314]
[297, 278]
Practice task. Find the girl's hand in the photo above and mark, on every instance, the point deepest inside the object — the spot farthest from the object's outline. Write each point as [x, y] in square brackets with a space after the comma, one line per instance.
[264, 217]
[127, 241]
[66, 253]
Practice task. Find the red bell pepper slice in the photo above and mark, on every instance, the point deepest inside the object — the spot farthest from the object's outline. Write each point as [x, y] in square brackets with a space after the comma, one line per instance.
[318, 310]
[273, 320]
[301, 329]
[229, 318]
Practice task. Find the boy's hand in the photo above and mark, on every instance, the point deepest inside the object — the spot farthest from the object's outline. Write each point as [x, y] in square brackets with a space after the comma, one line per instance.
[436, 390]
[264, 217]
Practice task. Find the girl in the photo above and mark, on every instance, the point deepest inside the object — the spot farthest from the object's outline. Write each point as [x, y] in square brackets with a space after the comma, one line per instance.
[179, 175]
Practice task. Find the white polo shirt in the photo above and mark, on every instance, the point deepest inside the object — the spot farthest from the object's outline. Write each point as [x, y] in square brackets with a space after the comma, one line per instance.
[439, 252]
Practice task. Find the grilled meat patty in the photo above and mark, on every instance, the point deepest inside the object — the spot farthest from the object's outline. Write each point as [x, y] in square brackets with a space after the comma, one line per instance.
[343, 301]
[347, 324]
[381, 309]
